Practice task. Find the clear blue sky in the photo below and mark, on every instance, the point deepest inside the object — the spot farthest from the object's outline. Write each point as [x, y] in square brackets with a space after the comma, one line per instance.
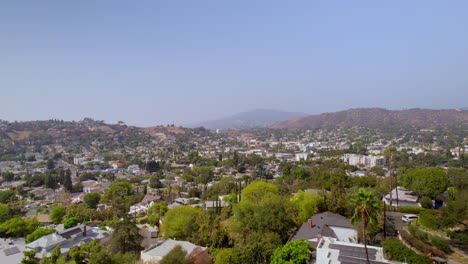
[158, 62]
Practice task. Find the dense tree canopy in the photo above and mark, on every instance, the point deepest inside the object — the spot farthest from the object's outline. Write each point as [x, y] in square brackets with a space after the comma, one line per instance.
[426, 182]
[179, 223]
[294, 252]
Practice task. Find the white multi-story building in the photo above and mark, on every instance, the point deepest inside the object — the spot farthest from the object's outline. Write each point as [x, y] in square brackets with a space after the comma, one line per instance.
[362, 160]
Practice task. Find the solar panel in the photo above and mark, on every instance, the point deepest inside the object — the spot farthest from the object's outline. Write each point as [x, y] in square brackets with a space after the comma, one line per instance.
[353, 260]
[11, 251]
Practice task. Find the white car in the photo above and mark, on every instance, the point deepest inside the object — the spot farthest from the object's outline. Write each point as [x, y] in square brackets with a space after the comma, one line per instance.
[408, 218]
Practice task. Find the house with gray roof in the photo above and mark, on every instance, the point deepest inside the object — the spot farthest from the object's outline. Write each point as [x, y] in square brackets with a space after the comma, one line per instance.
[326, 224]
[11, 250]
[67, 239]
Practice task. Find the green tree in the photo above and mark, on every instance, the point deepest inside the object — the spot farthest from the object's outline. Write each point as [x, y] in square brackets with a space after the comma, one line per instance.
[29, 257]
[125, 238]
[70, 222]
[256, 191]
[80, 211]
[67, 181]
[153, 166]
[156, 211]
[176, 256]
[366, 211]
[427, 182]
[295, 252]
[101, 257]
[227, 256]
[7, 196]
[57, 214]
[38, 233]
[155, 182]
[50, 164]
[307, 204]
[257, 247]
[210, 232]
[179, 223]
[17, 227]
[118, 196]
[92, 199]
[261, 209]
[426, 202]
[55, 255]
[5, 212]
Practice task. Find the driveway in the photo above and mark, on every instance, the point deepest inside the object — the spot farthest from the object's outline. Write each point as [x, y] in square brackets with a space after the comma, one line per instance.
[394, 220]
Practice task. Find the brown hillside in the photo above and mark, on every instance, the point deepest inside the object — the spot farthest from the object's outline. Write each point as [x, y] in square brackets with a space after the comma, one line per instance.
[161, 131]
[378, 117]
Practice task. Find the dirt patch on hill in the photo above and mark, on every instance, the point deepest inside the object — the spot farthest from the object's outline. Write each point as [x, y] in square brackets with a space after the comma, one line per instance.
[21, 135]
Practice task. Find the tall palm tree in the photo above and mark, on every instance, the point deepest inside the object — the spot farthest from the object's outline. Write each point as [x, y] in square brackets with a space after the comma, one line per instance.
[367, 208]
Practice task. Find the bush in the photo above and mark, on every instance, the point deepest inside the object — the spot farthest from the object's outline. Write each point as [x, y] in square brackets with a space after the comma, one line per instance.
[460, 235]
[426, 202]
[419, 245]
[410, 209]
[441, 244]
[38, 233]
[430, 220]
[419, 234]
[434, 240]
[395, 250]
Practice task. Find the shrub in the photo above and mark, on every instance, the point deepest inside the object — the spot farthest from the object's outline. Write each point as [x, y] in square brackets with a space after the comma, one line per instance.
[395, 250]
[429, 220]
[436, 241]
[419, 234]
[419, 245]
[410, 209]
[460, 235]
[426, 202]
[38, 233]
[441, 244]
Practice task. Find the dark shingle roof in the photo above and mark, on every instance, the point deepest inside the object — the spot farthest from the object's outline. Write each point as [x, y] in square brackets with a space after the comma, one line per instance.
[68, 233]
[321, 226]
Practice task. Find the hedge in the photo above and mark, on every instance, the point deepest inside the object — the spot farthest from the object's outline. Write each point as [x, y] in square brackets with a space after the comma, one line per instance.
[410, 209]
[395, 250]
[460, 235]
[430, 220]
[434, 240]
[419, 245]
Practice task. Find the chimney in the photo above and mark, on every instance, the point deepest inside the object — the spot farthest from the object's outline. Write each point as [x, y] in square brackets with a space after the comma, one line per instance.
[309, 223]
[84, 230]
[319, 237]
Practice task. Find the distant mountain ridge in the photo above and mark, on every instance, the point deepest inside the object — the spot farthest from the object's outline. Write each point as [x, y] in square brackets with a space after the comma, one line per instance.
[378, 117]
[257, 118]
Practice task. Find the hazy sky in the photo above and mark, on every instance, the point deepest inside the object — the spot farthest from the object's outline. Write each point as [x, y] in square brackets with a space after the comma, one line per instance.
[173, 61]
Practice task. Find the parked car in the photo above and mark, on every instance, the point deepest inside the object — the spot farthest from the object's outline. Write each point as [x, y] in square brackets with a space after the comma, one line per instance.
[408, 218]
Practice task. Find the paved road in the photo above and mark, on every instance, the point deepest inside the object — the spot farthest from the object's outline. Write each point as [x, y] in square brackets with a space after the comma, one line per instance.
[394, 220]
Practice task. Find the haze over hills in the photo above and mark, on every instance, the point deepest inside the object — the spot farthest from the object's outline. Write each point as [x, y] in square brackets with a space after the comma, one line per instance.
[256, 118]
[378, 117]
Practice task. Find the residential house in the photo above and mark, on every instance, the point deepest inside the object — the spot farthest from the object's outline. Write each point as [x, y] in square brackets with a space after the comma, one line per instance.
[332, 251]
[198, 255]
[68, 238]
[149, 234]
[326, 224]
[11, 250]
[405, 197]
[143, 206]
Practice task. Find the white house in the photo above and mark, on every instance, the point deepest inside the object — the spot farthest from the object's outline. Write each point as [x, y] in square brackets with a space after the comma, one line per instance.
[405, 197]
[332, 251]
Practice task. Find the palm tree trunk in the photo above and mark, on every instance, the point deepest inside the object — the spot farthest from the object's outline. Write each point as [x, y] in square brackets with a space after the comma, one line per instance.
[364, 226]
